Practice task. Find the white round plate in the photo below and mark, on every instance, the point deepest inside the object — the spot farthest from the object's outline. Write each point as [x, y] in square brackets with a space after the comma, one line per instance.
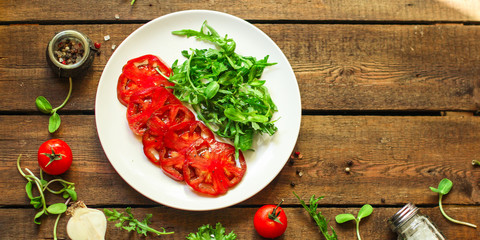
[125, 150]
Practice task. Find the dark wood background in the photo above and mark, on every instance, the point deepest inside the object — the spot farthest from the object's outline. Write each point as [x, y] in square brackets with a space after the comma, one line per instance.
[390, 86]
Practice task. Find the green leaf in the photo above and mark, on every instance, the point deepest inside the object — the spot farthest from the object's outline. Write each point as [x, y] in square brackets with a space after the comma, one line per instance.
[36, 202]
[320, 220]
[43, 105]
[211, 90]
[365, 211]
[57, 208]
[71, 193]
[207, 232]
[28, 189]
[54, 122]
[344, 217]
[444, 187]
[37, 216]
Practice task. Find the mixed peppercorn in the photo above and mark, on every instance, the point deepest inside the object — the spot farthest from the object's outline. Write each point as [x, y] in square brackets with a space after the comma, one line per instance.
[69, 51]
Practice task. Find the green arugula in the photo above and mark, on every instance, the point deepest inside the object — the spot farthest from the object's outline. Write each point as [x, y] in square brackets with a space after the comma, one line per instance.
[444, 188]
[206, 232]
[318, 217]
[365, 211]
[224, 88]
[39, 202]
[132, 224]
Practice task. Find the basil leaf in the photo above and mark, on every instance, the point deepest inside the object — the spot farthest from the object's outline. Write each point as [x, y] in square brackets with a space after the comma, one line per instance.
[43, 105]
[54, 122]
[57, 208]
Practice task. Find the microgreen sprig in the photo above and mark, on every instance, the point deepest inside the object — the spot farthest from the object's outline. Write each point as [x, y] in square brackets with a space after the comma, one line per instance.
[39, 202]
[321, 221]
[132, 223]
[444, 188]
[45, 107]
[475, 163]
[365, 211]
[210, 233]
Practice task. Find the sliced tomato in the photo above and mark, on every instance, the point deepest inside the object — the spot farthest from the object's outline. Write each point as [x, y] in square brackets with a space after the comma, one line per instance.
[211, 168]
[147, 65]
[161, 120]
[165, 117]
[171, 161]
[141, 73]
[143, 103]
[182, 135]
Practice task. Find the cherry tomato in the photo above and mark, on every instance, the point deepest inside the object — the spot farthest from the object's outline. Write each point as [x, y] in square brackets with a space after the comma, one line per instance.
[270, 221]
[54, 156]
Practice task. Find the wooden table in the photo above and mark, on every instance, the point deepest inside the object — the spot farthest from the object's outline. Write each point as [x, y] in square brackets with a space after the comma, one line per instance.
[391, 88]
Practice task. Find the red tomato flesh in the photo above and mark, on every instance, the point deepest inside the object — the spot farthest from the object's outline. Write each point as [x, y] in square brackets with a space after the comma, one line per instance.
[142, 105]
[140, 73]
[210, 167]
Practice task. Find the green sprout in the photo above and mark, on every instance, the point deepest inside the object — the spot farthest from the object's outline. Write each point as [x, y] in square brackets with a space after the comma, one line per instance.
[443, 188]
[365, 211]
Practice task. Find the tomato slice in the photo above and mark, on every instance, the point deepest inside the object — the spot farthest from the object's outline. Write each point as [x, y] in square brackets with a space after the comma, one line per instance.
[141, 73]
[165, 117]
[210, 167]
[169, 160]
[142, 105]
[146, 66]
[161, 120]
[181, 136]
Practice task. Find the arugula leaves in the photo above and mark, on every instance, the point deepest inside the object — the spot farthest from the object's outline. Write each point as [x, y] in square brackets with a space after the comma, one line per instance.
[224, 88]
[206, 232]
[132, 224]
[318, 217]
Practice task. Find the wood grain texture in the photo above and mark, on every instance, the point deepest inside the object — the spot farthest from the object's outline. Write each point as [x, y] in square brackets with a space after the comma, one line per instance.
[240, 221]
[369, 10]
[393, 160]
[346, 67]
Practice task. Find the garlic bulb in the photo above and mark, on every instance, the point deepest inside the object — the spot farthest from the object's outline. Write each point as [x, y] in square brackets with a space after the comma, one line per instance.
[86, 223]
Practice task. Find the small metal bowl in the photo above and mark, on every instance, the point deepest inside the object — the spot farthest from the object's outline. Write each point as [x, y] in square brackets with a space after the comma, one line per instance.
[78, 68]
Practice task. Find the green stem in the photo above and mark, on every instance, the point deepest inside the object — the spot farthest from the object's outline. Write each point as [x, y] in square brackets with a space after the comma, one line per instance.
[18, 166]
[358, 229]
[39, 186]
[149, 229]
[56, 180]
[56, 222]
[449, 218]
[68, 96]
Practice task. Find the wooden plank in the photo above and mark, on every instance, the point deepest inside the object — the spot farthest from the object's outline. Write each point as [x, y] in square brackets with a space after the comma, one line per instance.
[18, 223]
[351, 10]
[396, 158]
[390, 67]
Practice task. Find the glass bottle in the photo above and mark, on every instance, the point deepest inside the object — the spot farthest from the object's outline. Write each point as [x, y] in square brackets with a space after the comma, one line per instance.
[409, 224]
